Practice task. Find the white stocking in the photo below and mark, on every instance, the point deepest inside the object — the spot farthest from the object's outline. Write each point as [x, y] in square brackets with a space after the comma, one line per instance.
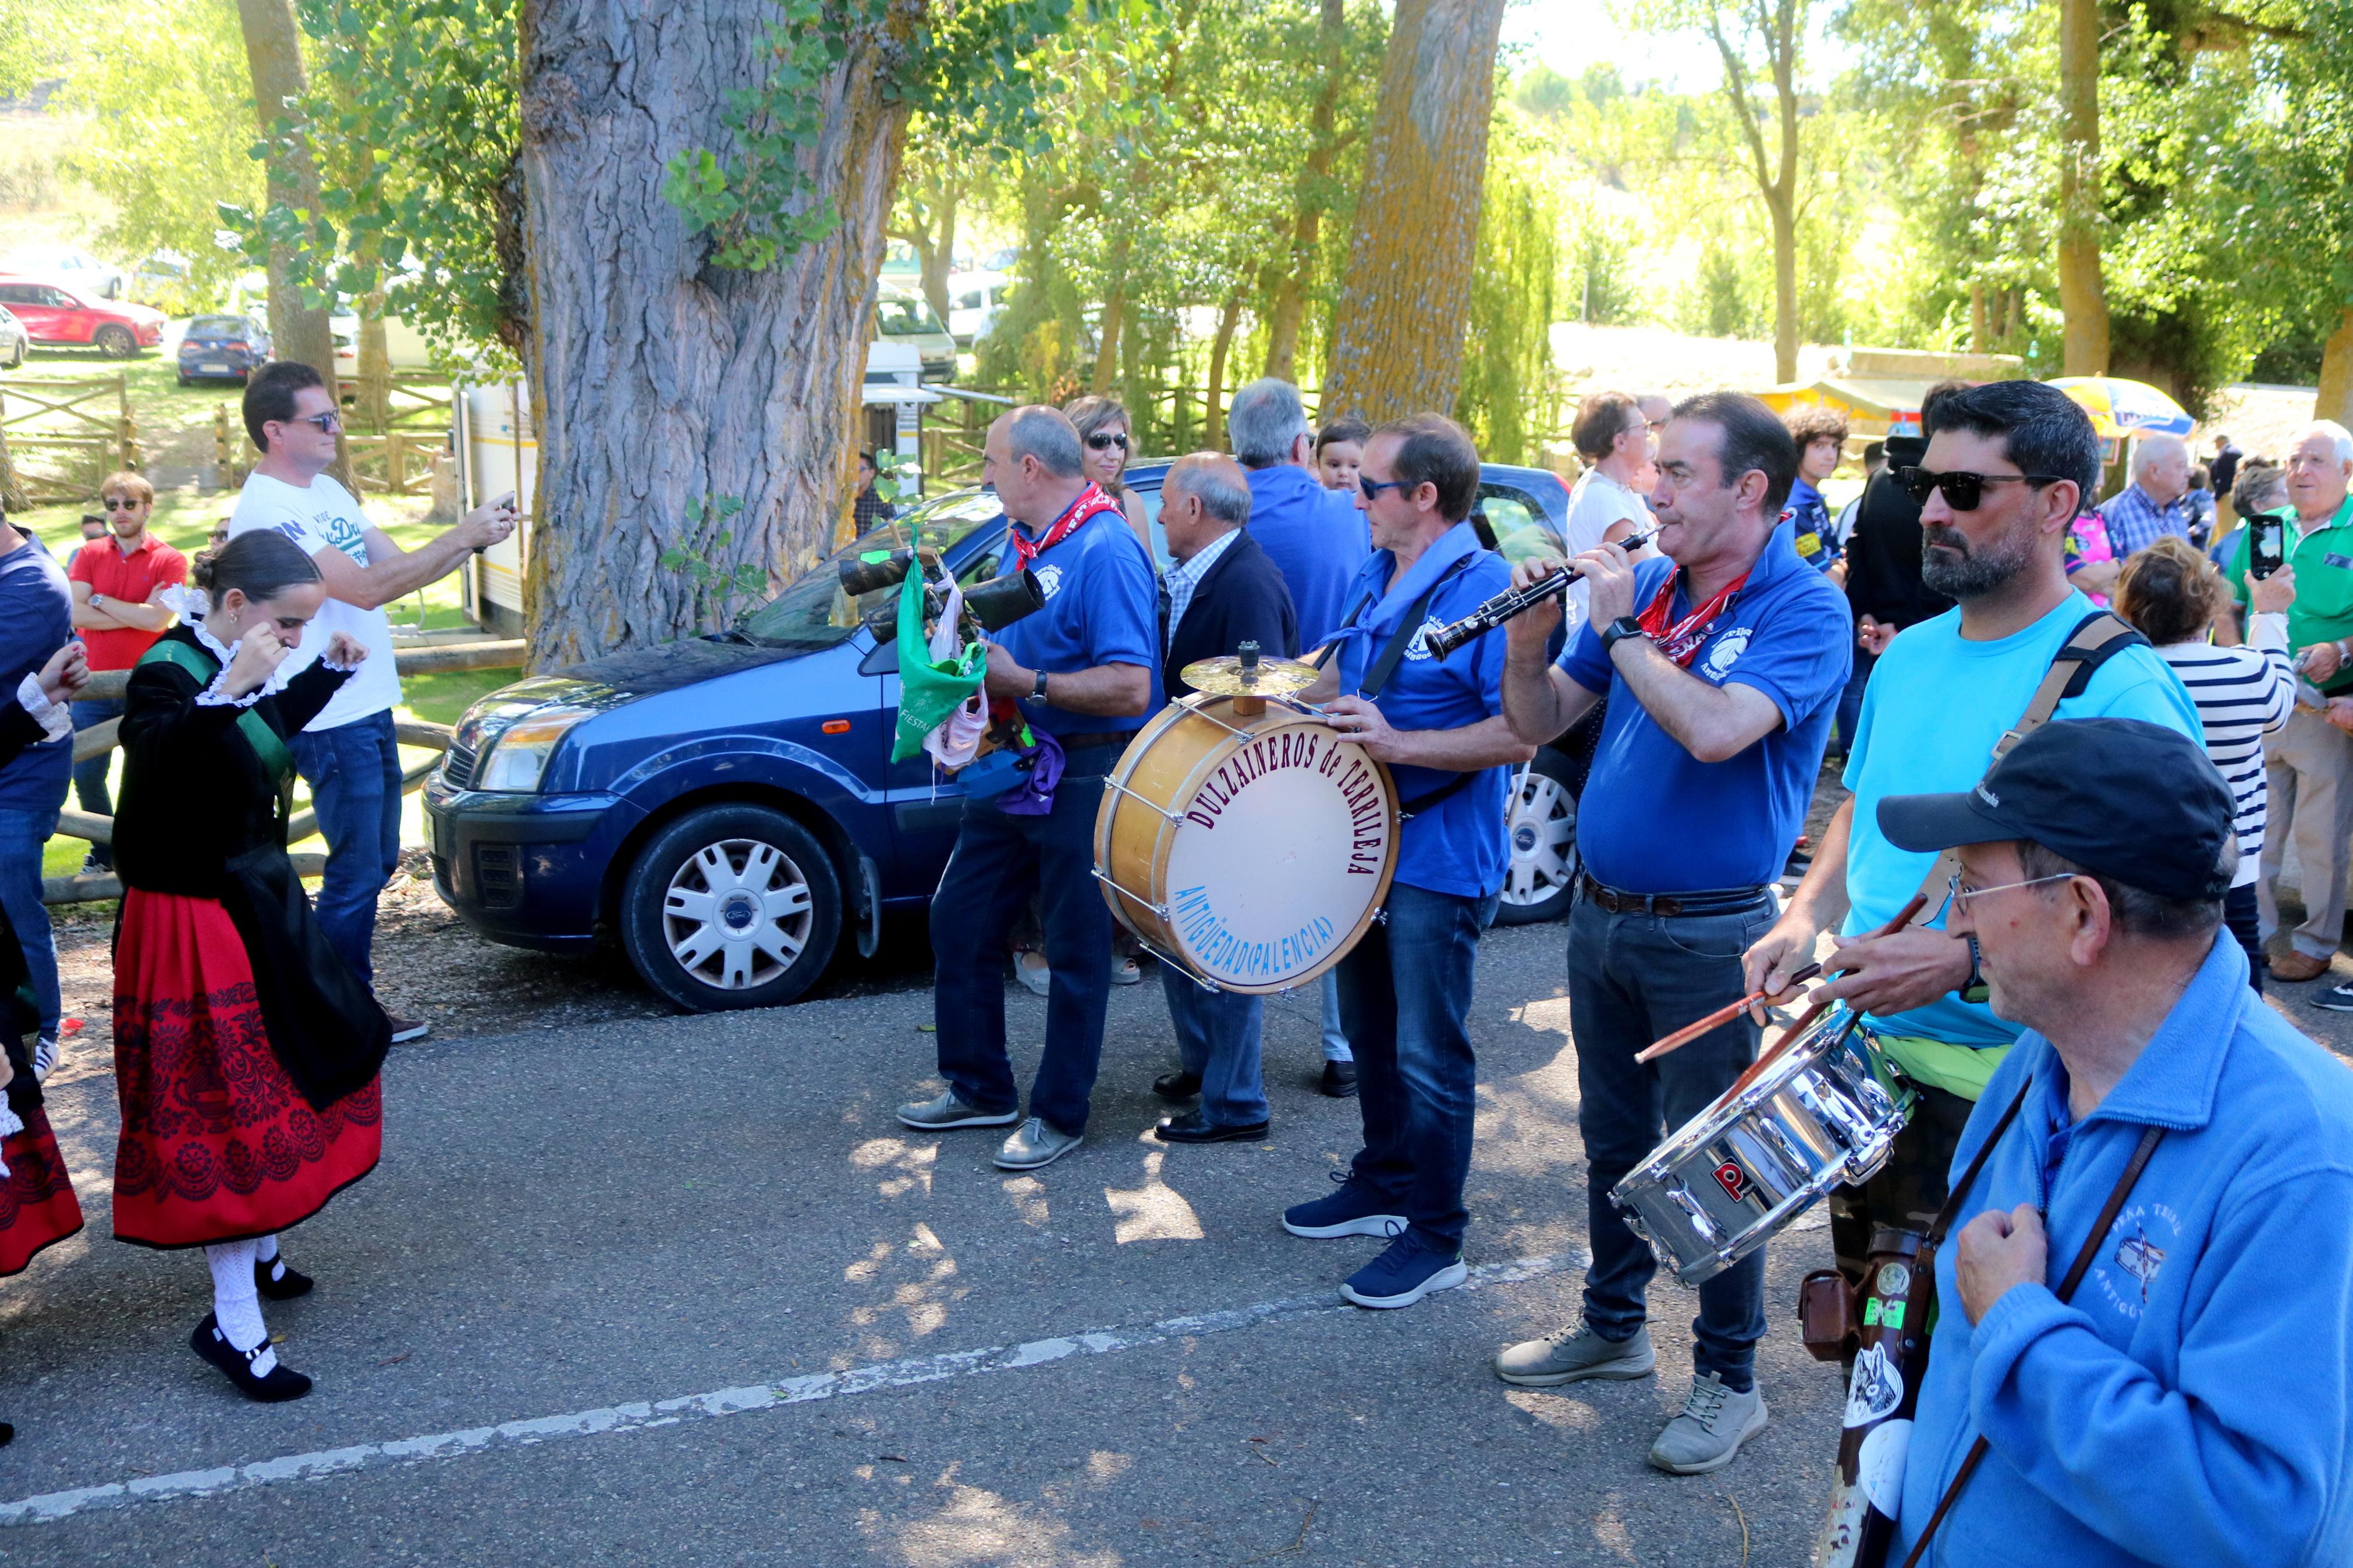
[237, 1303]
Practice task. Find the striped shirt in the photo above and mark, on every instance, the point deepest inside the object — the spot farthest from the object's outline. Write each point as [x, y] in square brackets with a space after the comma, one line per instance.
[2241, 694]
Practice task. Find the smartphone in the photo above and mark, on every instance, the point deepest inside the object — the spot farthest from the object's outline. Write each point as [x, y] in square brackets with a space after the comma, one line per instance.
[2266, 546]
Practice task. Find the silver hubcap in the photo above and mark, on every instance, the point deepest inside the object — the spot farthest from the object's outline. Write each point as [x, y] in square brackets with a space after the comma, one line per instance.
[1543, 832]
[737, 914]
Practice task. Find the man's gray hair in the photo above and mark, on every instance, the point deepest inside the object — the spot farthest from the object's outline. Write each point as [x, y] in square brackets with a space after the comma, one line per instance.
[1222, 499]
[2337, 433]
[2135, 911]
[1047, 435]
[1264, 422]
[2154, 446]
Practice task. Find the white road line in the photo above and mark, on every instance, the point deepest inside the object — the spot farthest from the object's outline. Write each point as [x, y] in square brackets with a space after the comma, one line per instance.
[50, 1506]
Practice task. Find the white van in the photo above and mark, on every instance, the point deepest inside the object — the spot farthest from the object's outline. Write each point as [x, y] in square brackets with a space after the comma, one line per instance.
[974, 300]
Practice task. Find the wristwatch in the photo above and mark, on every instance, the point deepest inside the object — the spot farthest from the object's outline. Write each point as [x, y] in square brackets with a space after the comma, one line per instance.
[1619, 630]
[1039, 689]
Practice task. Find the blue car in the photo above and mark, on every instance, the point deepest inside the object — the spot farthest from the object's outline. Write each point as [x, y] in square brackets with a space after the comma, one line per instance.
[223, 348]
[725, 807]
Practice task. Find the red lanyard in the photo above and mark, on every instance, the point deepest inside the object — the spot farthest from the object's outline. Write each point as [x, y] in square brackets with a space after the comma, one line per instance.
[1091, 501]
[1681, 641]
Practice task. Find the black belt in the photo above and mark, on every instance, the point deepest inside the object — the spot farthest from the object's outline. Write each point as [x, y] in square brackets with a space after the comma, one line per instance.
[1119, 738]
[1722, 902]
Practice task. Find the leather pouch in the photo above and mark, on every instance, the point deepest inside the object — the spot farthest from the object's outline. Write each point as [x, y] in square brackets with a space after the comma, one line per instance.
[1826, 1323]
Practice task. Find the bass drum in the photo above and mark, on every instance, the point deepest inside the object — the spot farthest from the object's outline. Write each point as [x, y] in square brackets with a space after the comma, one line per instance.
[1251, 848]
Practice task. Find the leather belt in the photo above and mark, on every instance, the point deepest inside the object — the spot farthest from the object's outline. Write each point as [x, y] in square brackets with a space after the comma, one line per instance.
[1722, 902]
[1099, 738]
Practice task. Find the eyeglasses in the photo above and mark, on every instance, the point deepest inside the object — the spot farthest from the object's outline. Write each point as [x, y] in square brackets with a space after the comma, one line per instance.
[119, 504]
[328, 423]
[1104, 440]
[1960, 897]
[1962, 491]
[1373, 488]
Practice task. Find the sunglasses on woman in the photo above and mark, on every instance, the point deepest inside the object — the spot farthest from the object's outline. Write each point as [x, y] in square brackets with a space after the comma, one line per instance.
[1963, 491]
[1104, 440]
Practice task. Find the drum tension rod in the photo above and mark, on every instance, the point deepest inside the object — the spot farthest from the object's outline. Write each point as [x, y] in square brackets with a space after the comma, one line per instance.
[1157, 810]
[1160, 909]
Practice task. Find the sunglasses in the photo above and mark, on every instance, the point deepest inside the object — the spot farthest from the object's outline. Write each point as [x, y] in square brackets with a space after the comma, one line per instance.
[119, 504]
[1104, 440]
[327, 423]
[1962, 491]
[1373, 488]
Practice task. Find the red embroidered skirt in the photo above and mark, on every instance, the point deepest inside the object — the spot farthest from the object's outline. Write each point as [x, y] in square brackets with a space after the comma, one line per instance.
[37, 1207]
[217, 1145]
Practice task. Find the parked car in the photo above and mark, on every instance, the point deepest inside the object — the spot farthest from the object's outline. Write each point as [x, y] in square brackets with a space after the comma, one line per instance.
[15, 342]
[900, 316]
[974, 298]
[725, 808]
[58, 316]
[69, 265]
[223, 348]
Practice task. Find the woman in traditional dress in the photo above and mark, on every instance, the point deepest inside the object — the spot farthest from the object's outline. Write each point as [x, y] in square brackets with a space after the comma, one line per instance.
[37, 1207]
[245, 1052]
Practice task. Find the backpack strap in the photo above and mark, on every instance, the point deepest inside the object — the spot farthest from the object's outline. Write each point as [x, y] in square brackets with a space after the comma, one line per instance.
[277, 761]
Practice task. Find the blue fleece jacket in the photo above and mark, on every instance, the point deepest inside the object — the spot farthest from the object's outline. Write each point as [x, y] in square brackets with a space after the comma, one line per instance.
[2190, 1404]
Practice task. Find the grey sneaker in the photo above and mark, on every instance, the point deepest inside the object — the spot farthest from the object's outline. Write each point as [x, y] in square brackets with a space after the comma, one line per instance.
[947, 1111]
[1036, 1144]
[1714, 1423]
[1574, 1355]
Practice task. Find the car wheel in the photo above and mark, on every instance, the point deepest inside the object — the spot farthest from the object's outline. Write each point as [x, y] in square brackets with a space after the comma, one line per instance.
[1541, 829]
[730, 905]
[18, 363]
[116, 342]
[183, 379]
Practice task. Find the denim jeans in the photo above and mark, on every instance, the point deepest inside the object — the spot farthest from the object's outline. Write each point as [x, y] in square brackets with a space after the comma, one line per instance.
[1405, 1000]
[90, 777]
[1850, 703]
[1218, 1039]
[353, 772]
[2241, 914]
[1335, 1039]
[1631, 979]
[22, 834]
[999, 861]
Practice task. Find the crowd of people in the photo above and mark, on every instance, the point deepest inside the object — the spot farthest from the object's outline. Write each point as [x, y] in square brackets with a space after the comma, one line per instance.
[2064, 730]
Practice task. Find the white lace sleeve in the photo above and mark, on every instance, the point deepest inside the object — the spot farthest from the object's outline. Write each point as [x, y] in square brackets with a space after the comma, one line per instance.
[56, 718]
[217, 694]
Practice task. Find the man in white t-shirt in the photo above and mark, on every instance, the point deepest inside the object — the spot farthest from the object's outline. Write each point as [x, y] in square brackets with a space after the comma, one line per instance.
[1612, 435]
[347, 754]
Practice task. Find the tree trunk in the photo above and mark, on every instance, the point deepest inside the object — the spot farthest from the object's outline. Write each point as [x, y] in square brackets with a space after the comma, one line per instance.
[2083, 298]
[1397, 338]
[1785, 289]
[1977, 318]
[1114, 316]
[273, 52]
[376, 365]
[658, 381]
[1311, 188]
[2336, 399]
[939, 262]
[1213, 415]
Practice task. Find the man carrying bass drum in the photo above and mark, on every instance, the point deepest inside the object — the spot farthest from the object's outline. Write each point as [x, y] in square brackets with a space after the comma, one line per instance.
[1722, 665]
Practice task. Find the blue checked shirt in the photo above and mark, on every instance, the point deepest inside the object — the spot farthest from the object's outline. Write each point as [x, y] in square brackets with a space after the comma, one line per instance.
[1184, 577]
[2135, 523]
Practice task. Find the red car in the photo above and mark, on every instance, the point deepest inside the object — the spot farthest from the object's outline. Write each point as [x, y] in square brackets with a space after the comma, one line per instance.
[58, 315]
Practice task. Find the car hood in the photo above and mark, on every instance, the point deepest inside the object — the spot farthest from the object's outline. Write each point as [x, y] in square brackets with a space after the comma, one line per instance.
[622, 677]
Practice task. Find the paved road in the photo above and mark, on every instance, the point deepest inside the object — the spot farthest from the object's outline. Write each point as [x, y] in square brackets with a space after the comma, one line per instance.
[902, 1354]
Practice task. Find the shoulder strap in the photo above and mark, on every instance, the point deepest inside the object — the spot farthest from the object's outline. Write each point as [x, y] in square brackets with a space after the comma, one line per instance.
[1408, 629]
[277, 761]
[2125, 1184]
[1348, 619]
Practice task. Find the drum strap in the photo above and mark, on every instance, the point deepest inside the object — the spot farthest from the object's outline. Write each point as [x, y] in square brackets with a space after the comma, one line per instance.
[2091, 1249]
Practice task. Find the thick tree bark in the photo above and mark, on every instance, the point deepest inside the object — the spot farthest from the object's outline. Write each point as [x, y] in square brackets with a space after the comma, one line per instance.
[1397, 333]
[2336, 399]
[1213, 411]
[273, 53]
[659, 381]
[1114, 318]
[1313, 196]
[2083, 297]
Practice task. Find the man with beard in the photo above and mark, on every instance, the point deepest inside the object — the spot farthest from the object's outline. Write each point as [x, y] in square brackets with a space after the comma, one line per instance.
[2006, 467]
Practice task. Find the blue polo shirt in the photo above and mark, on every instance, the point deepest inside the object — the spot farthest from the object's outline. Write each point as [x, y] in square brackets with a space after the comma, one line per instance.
[1656, 819]
[1102, 607]
[1457, 845]
[1317, 540]
[1808, 520]
[2193, 1402]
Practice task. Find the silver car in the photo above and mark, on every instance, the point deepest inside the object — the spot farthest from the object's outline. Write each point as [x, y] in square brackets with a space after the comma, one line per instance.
[904, 318]
[14, 341]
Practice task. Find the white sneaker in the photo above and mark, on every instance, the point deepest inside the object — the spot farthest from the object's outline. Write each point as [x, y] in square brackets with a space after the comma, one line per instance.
[45, 1052]
[1714, 1423]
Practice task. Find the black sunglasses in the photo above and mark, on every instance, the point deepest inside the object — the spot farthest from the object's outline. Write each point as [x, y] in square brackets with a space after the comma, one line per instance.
[119, 504]
[328, 423]
[1962, 491]
[1104, 440]
[1373, 488]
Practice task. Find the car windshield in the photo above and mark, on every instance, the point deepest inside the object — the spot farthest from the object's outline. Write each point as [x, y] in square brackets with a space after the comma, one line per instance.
[813, 611]
[217, 329]
[904, 318]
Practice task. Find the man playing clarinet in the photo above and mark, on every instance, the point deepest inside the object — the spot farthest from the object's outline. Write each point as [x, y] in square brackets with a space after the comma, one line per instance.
[1723, 665]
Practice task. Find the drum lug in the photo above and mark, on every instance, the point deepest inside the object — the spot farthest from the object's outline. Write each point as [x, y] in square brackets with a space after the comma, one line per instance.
[1680, 1196]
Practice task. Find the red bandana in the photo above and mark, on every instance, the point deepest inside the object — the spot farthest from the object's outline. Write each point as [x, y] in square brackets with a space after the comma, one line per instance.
[1681, 640]
[1091, 501]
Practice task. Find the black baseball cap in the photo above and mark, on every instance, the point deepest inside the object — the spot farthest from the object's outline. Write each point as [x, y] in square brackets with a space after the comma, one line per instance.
[2133, 801]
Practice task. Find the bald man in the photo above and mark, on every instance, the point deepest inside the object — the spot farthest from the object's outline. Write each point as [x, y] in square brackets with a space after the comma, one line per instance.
[1223, 591]
[2152, 506]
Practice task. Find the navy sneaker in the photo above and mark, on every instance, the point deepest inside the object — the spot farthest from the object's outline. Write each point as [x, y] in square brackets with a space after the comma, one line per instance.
[1354, 1210]
[1407, 1271]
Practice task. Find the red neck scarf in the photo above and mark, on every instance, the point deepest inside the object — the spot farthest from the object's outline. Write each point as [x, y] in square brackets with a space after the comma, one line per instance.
[1681, 641]
[1091, 501]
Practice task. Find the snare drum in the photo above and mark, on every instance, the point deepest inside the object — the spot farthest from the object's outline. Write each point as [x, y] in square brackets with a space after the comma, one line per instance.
[1810, 1117]
[1250, 847]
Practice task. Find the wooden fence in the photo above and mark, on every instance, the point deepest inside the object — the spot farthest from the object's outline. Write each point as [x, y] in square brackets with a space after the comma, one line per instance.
[60, 435]
[395, 460]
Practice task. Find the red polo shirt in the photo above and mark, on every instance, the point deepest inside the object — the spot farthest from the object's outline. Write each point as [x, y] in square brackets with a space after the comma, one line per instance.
[103, 565]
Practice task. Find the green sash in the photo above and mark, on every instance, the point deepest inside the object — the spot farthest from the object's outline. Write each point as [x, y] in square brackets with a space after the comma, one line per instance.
[276, 760]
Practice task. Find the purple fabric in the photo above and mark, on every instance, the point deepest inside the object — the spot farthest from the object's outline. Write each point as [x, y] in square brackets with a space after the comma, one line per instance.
[1034, 795]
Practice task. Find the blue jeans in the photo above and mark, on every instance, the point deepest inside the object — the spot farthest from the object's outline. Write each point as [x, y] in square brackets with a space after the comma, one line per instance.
[999, 861]
[353, 772]
[1217, 1040]
[1631, 979]
[22, 834]
[1335, 1039]
[90, 777]
[1850, 703]
[1405, 1000]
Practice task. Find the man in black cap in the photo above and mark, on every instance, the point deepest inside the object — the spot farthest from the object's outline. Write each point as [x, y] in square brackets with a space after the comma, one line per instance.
[2142, 1314]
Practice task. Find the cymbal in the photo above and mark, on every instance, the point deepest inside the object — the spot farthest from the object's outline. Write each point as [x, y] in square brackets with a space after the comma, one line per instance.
[1225, 677]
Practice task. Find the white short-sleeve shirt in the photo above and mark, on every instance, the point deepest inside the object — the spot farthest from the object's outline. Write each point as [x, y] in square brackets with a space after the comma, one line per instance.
[316, 518]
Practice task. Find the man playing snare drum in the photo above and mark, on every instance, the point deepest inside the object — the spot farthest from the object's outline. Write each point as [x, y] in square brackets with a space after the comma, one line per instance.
[1722, 665]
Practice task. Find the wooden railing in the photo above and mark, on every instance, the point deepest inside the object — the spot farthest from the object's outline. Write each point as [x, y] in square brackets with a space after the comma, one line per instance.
[80, 426]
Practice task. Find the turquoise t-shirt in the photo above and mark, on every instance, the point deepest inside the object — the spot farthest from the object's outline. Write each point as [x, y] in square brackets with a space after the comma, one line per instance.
[1936, 705]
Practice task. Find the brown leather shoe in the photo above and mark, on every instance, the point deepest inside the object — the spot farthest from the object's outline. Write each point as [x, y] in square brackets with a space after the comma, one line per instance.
[2295, 968]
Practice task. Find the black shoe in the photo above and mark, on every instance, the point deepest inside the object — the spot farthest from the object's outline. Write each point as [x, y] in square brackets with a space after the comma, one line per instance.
[281, 1383]
[1340, 1080]
[2335, 999]
[275, 1281]
[1176, 1085]
[1194, 1128]
[7, 1434]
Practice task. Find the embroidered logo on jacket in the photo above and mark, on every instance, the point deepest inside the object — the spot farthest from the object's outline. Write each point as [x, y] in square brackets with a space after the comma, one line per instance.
[1728, 647]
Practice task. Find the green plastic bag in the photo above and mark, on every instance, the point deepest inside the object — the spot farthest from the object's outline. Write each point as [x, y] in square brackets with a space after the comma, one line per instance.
[929, 691]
